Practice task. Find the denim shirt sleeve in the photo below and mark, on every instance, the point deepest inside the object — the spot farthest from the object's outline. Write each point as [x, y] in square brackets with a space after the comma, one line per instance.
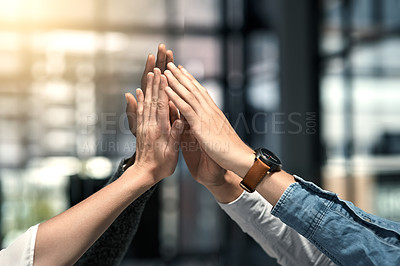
[345, 233]
[253, 215]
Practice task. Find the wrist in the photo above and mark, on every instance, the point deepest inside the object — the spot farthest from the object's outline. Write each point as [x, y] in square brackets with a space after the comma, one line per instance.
[244, 163]
[142, 175]
[228, 189]
[130, 162]
[219, 182]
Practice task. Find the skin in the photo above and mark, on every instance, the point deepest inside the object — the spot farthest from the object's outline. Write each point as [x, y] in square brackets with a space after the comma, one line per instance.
[215, 135]
[64, 238]
[222, 173]
[221, 183]
[164, 56]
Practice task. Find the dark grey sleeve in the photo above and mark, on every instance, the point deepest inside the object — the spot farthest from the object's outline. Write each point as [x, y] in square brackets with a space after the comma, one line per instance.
[111, 247]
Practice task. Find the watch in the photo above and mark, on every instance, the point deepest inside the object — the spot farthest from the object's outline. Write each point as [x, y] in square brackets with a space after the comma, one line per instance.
[265, 162]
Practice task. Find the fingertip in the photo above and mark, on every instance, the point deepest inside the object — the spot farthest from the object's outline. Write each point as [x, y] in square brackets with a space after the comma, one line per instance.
[127, 98]
[168, 89]
[157, 70]
[161, 46]
[171, 65]
[183, 70]
[179, 128]
[179, 125]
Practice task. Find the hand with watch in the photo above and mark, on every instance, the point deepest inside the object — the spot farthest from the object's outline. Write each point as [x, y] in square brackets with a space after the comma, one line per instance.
[220, 142]
[266, 162]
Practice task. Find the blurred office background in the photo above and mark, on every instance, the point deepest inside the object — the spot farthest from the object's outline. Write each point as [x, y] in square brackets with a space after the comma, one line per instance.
[318, 82]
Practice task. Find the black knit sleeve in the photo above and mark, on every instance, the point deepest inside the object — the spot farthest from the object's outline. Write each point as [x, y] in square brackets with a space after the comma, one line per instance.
[111, 247]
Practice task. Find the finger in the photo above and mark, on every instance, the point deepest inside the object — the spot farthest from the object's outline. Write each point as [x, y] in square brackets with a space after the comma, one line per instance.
[202, 90]
[131, 109]
[175, 136]
[183, 93]
[193, 80]
[187, 83]
[150, 64]
[140, 106]
[154, 95]
[148, 95]
[183, 107]
[162, 106]
[156, 85]
[161, 57]
[185, 122]
[170, 56]
[173, 112]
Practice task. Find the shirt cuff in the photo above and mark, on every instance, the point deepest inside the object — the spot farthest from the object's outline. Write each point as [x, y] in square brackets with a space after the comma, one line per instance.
[21, 251]
[247, 207]
[234, 201]
[299, 200]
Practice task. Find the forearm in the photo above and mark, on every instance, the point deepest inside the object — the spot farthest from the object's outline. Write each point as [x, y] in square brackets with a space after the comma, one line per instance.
[64, 238]
[272, 186]
[253, 215]
[111, 247]
[342, 231]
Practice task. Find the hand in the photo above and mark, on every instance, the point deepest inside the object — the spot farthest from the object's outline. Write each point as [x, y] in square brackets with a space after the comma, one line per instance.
[163, 57]
[207, 122]
[157, 142]
[224, 185]
[203, 169]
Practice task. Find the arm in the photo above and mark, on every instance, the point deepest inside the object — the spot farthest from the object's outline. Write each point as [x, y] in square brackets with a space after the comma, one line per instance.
[253, 215]
[344, 233]
[111, 247]
[214, 133]
[64, 238]
[250, 211]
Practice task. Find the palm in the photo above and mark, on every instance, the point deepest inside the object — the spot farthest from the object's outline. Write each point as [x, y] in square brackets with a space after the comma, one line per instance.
[163, 57]
[203, 169]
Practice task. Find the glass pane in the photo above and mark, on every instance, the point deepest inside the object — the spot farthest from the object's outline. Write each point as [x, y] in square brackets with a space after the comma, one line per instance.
[148, 13]
[206, 13]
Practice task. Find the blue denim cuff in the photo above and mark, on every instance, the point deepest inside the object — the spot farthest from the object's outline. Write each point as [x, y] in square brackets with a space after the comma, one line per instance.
[345, 233]
[298, 201]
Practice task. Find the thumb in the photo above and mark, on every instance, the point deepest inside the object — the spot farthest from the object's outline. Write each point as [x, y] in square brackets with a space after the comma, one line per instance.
[131, 109]
[175, 135]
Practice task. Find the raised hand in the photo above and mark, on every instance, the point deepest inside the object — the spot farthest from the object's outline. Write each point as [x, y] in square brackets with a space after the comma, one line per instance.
[157, 141]
[164, 56]
[203, 169]
[207, 122]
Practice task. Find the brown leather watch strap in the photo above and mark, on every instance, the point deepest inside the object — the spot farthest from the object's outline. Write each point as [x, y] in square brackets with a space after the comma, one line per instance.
[254, 175]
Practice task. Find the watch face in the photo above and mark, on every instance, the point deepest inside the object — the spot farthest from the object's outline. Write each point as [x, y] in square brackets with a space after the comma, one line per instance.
[270, 159]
